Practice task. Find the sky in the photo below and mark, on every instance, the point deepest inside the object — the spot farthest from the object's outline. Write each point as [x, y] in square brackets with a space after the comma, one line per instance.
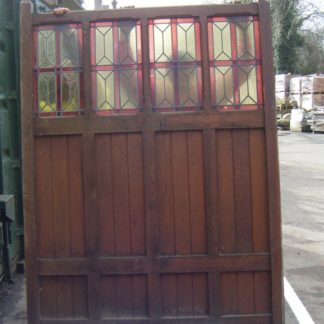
[89, 4]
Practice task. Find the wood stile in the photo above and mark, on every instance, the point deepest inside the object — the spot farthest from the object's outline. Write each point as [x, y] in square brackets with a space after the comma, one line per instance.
[152, 217]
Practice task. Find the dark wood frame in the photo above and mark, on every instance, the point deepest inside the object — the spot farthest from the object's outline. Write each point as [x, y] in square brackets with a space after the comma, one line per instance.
[147, 122]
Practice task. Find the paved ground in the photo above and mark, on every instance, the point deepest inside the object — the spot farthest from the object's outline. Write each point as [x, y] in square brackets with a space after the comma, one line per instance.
[302, 192]
[302, 196]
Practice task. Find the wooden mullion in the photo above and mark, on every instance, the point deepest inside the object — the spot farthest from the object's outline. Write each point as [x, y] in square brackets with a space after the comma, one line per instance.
[146, 65]
[152, 223]
[87, 77]
[91, 217]
[205, 62]
[211, 190]
[273, 164]
[27, 138]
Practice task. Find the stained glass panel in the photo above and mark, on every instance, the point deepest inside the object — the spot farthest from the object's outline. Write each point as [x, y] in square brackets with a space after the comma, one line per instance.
[46, 48]
[127, 42]
[224, 85]
[70, 92]
[47, 93]
[186, 42]
[69, 48]
[162, 43]
[222, 41]
[104, 46]
[248, 85]
[129, 89]
[164, 88]
[105, 90]
[245, 40]
[188, 86]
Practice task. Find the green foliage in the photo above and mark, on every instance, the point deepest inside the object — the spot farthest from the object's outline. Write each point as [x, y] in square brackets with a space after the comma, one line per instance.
[286, 24]
[311, 54]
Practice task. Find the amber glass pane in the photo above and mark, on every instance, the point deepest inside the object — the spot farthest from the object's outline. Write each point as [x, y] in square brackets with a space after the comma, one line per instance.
[105, 90]
[69, 48]
[164, 87]
[245, 40]
[188, 86]
[222, 41]
[186, 42]
[224, 86]
[162, 43]
[127, 51]
[46, 48]
[70, 91]
[128, 89]
[248, 84]
[104, 46]
[47, 92]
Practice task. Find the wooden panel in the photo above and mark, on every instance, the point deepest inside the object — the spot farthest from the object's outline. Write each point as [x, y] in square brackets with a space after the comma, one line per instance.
[259, 192]
[63, 297]
[226, 198]
[123, 296]
[242, 191]
[59, 196]
[120, 193]
[43, 197]
[262, 292]
[76, 198]
[181, 193]
[184, 295]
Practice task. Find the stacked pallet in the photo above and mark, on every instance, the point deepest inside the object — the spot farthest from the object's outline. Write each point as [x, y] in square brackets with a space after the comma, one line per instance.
[312, 92]
[295, 96]
[282, 87]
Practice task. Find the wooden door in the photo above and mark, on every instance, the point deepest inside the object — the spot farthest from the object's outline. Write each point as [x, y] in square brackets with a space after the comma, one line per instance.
[150, 166]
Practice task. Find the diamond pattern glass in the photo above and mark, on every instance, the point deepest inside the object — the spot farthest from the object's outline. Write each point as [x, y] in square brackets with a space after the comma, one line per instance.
[57, 70]
[235, 63]
[116, 66]
[175, 57]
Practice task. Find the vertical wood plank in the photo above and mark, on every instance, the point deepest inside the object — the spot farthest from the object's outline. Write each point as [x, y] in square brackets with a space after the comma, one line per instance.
[61, 197]
[64, 297]
[262, 292]
[27, 138]
[152, 222]
[125, 296]
[245, 283]
[108, 292]
[229, 294]
[44, 198]
[273, 166]
[165, 193]
[140, 302]
[260, 217]
[76, 198]
[200, 294]
[185, 294]
[242, 189]
[226, 197]
[121, 194]
[136, 193]
[211, 190]
[80, 295]
[197, 193]
[169, 295]
[48, 297]
[180, 193]
[104, 178]
[90, 209]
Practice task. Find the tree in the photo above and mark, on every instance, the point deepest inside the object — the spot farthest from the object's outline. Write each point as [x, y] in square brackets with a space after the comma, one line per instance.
[286, 24]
